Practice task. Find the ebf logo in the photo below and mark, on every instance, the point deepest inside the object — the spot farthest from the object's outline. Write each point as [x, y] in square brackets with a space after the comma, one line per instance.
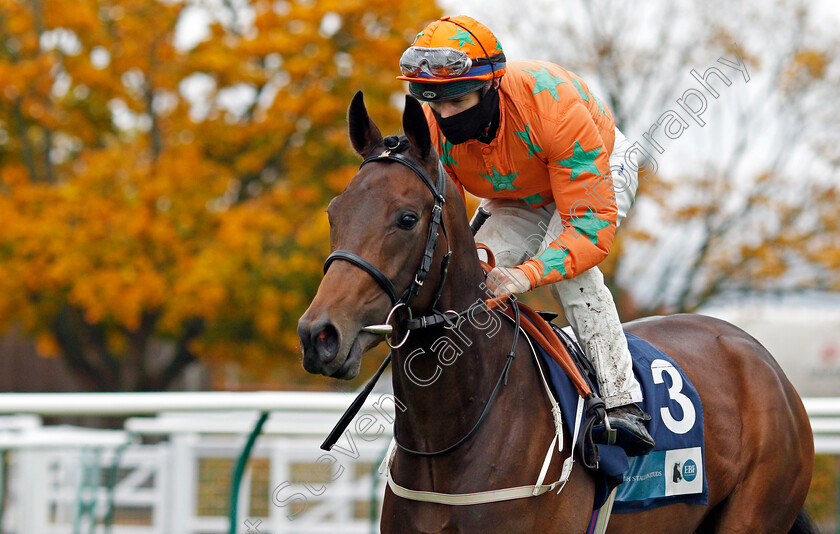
[689, 470]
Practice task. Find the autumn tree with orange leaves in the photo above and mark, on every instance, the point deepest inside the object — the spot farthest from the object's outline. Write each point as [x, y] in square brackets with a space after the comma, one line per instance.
[161, 195]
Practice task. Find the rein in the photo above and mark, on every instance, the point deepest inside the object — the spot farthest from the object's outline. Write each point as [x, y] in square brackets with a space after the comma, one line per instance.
[499, 383]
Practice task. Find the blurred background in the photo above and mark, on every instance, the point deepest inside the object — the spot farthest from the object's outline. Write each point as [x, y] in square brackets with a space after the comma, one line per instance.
[164, 170]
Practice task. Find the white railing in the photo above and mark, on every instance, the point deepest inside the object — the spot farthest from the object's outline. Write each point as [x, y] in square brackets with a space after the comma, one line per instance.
[173, 469]
[129, 404]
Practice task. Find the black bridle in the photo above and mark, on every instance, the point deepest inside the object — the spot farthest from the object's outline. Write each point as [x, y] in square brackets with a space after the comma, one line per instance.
[394, 147]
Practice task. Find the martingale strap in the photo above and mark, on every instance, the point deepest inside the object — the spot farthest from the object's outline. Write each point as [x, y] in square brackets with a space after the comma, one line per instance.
[505, 494]
[502, 381]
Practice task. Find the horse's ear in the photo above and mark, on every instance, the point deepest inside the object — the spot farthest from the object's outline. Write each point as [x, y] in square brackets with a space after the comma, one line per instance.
[415, 127]
[364, 134]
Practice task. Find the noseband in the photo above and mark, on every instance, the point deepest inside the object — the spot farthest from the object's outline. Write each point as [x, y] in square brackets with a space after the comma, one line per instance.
[394, 146]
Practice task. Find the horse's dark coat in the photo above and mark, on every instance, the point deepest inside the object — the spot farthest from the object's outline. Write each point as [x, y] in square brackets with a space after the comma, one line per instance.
[759, 446]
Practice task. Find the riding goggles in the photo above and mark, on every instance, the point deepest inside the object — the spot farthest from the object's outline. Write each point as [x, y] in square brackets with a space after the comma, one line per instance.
[440, 62]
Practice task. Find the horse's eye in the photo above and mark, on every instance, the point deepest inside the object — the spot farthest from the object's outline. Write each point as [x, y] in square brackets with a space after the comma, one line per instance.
[406, 220]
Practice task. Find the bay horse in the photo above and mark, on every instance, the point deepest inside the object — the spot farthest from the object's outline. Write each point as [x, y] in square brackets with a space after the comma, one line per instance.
[759, 446]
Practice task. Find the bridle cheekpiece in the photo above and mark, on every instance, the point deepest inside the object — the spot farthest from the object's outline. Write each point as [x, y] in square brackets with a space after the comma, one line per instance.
[393, 153]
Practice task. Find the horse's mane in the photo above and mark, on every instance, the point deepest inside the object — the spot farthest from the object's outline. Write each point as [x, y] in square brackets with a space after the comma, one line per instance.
[396, 143]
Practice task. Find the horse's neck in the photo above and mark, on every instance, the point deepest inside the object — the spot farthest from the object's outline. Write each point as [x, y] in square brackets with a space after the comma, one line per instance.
[445, 376]
[443, 379]
[441, 413]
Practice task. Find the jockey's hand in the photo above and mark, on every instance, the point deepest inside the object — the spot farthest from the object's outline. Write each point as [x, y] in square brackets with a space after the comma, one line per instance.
[502, 281]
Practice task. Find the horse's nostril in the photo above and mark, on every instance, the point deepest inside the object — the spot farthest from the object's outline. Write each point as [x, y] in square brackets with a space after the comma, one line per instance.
[326, 341]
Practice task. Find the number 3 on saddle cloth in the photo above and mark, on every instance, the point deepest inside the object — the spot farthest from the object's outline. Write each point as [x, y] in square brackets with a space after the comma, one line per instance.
[673, 472]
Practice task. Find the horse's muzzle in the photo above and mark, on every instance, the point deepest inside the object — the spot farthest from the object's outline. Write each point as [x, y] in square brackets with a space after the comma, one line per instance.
[320, 341]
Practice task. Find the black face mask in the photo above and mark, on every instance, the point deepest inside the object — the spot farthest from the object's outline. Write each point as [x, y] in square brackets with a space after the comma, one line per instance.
[470, 123]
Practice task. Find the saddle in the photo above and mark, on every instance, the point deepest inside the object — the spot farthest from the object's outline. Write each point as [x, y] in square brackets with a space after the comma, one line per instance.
[587, 370]
[673, 472]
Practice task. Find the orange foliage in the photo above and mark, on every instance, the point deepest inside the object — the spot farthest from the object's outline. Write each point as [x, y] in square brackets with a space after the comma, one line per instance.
[145, 184]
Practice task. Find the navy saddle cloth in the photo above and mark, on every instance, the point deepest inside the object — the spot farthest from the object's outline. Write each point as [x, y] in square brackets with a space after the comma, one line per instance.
[673, 472]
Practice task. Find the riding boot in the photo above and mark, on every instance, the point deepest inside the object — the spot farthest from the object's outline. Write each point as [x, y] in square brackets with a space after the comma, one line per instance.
[627, 430]
[591, 312]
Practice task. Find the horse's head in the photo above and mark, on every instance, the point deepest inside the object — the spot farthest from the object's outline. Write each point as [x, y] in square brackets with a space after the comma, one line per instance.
[379, 229]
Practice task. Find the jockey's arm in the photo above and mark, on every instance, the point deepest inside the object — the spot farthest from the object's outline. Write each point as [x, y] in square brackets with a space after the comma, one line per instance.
[579, 169]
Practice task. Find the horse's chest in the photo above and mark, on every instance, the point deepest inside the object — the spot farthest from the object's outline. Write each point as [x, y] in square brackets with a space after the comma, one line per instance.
[425, 518]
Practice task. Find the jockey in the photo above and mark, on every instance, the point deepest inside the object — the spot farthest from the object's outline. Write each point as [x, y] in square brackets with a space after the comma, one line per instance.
[544, 154]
